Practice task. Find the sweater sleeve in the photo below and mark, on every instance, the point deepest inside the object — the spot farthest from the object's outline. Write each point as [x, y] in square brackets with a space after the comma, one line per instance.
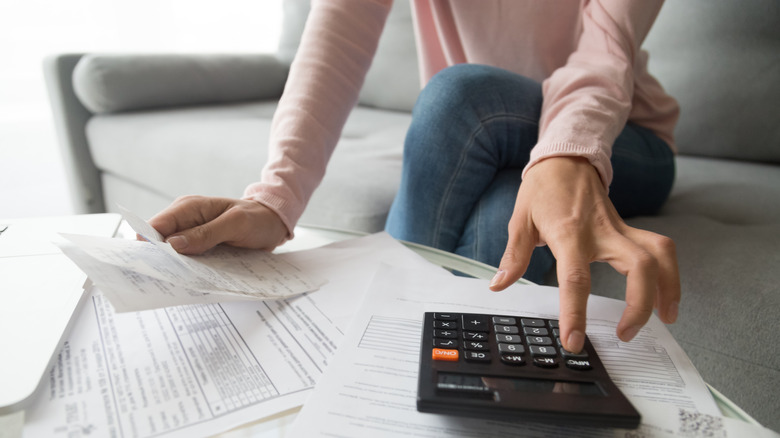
[587, 101]
[336, 49]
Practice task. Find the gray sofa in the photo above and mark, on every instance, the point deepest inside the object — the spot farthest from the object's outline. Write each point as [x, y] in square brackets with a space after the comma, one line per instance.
[140, 130]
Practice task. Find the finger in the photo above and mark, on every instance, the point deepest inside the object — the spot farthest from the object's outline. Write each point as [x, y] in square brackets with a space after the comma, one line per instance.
[517, 255]
[668, 290]
[183, 213]
[641, 270]
[227, 227]
[574, 288]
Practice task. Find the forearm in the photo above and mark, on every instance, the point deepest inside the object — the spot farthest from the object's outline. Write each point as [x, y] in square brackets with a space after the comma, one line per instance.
[325, 78]
[588, 100]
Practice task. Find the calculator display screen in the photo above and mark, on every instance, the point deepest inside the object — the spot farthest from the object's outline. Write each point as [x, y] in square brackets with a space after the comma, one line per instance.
[479, 384]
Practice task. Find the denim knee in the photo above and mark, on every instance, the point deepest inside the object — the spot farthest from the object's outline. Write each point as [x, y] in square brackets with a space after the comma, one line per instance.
[459, 100]
[467, 85]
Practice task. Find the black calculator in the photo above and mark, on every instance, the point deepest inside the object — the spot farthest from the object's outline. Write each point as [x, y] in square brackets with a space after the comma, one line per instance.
[514, 367]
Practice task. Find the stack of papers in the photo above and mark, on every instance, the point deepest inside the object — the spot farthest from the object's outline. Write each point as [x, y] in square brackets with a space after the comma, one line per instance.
[140, 275]
[234, 356]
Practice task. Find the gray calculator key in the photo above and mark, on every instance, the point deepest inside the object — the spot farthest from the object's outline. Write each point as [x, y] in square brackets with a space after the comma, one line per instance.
[532, 322]
[509, 339]
[535, 331]
[569, 355]
[477, 323]
[506, 329]
[504, 320]
[542, 350]
[448, 334]
[538, 340]
[445, 343]
[476, 345]
[510, 348]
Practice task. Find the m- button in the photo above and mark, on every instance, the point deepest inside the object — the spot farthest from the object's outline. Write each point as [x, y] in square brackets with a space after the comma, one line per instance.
[477, 323]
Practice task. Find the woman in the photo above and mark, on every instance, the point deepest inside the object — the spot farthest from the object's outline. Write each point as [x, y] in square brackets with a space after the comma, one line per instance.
[553, 94]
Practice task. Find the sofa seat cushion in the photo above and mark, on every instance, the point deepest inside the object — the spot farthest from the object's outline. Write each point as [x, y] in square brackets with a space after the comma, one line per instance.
[219, 150]
[724, 217]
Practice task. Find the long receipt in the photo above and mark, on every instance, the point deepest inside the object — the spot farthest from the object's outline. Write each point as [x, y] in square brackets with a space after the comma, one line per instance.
[140, 275]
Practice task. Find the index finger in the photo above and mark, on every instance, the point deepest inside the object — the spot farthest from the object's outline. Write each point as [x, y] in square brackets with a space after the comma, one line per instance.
[574, 288]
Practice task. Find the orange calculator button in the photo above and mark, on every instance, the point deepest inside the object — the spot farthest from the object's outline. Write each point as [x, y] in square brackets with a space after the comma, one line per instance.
[444, 354]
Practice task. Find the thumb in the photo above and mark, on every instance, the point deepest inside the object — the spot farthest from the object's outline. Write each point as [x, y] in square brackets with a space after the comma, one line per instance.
[196, 240]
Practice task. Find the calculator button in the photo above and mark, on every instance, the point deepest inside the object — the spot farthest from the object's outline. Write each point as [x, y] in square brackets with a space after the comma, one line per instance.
[578, 364]
[512, 359]
[445, 316]
[476, 356]
[511, 348]
[509, 329]
[530, 322]
[448, 334]
[474, 336]
[556, 332]
[445, 343]
[479, 323]
[541, 350]
[538, 340]
[546, 362]
[474, 345]
[504, 320]
[569, 355]
[509, 339]
[452, 325]
[553, 323]
[535, 331]
[445, 354]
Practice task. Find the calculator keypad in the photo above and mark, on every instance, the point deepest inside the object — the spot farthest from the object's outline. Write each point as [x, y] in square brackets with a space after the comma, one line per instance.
[475, 338]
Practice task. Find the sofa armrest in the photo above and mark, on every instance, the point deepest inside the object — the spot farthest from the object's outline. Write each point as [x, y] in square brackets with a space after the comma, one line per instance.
[70, 119]
[109, 83]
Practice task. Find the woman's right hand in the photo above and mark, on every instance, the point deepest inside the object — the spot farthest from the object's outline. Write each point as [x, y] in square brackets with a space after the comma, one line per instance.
[195, 224]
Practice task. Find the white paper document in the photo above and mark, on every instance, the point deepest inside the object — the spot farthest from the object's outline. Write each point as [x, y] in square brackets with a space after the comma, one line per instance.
[197, 370]
[140, 275]
[371, 385]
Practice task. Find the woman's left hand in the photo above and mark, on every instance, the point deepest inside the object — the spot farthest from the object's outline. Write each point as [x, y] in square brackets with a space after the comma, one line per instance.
[563, 204]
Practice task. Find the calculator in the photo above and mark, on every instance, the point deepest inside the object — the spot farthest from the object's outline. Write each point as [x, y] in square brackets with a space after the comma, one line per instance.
[514, 367]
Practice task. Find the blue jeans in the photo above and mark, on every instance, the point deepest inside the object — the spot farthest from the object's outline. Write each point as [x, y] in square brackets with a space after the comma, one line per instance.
[471, 135]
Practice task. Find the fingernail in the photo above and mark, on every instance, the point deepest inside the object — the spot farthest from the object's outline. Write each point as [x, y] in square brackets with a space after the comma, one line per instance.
[672, 310]
[498, 277]
[178, 242]
[630, 333]
[576, 341]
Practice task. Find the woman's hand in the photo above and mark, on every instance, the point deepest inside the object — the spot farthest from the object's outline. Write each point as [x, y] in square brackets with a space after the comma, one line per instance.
[195, 224]
[563, 204]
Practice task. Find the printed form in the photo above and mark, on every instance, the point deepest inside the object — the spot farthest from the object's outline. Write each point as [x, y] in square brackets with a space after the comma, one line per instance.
[201, 369]
[370, 387]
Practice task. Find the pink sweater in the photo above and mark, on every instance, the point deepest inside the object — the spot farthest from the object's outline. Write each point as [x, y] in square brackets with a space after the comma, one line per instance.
[585, 52]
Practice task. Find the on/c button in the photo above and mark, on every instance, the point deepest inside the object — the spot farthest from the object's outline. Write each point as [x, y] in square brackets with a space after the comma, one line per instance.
[445, 354]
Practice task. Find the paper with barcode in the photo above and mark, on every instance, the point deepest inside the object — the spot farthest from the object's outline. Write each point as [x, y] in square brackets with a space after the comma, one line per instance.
[139, 275]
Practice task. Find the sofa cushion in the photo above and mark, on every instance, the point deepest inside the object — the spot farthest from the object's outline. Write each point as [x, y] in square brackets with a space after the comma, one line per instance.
[721, 60]
[191, 150]
[108, 83]
[724, 217]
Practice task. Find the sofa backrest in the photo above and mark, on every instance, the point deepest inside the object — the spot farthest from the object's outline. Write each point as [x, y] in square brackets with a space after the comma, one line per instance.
[721, 60]
[393, 82]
